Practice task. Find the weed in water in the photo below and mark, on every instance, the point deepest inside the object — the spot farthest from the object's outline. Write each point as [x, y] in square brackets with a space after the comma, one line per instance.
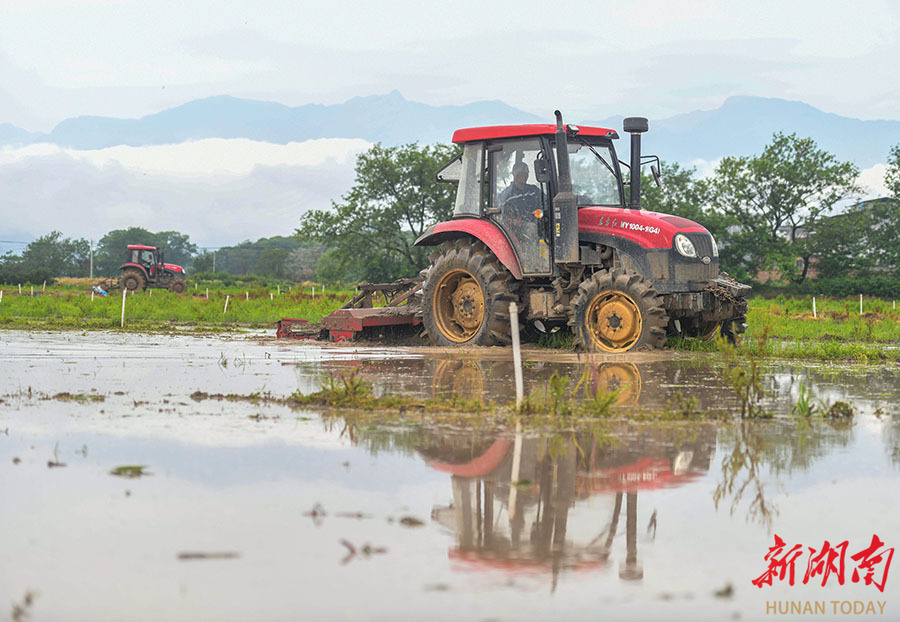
[682, 407]
[743, 373]
[130, 471]
[22, 611]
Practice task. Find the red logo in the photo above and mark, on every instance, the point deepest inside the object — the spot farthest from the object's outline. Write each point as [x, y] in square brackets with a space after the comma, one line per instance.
[872, 563]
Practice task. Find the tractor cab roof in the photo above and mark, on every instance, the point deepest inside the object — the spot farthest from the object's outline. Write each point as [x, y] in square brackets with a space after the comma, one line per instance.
[140, 247]
[473, 134]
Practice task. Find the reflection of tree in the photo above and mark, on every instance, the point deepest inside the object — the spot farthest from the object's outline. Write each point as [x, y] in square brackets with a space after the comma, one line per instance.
[758, 450]
[892, 439]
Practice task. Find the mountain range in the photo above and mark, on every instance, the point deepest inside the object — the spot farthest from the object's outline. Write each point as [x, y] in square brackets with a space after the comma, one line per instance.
[740, 126]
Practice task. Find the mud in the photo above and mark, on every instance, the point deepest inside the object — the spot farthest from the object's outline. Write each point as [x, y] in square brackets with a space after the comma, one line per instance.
[160, 506]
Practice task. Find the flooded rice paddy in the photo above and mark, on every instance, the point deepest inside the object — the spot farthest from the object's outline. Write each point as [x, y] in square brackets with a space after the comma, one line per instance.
[125, 498]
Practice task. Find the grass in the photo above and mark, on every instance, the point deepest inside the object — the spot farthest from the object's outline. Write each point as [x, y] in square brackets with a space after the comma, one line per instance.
[838, 332]
[61, 307]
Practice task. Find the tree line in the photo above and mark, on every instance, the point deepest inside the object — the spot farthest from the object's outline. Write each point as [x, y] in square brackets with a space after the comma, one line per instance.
[52, 256]
[790, 214]
[785, 215]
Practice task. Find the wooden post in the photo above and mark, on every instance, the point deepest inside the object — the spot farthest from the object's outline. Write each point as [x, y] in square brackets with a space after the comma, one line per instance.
[517, 353]
[226, 305]
[122, 323]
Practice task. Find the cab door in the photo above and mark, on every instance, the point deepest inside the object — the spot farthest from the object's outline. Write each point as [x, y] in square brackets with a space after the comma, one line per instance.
[519, 203]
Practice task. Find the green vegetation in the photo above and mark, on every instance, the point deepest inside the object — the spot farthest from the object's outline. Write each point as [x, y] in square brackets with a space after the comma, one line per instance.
[154, 309]
[371, 231]
[130, 471]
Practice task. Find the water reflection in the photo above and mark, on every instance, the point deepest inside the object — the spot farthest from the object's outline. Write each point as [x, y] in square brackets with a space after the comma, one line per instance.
[758, 455]
[644, 385]
[555, 503]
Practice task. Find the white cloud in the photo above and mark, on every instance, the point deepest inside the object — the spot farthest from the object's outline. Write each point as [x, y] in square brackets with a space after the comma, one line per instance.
[219, 192]
[212, 156]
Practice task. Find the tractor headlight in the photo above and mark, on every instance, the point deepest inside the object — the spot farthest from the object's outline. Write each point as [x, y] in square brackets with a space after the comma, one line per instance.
[684, 246]
[715, 246]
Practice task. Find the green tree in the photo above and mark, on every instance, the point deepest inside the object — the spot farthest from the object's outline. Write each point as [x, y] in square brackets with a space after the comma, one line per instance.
[371, 232]
[892, 175]
[203, 262]
[272, 262]
[177, 246]
[57, 255]
[777, 199]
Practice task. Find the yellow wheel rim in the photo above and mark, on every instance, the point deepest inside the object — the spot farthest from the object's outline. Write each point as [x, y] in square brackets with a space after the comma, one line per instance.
[614, 321]
[458, 306]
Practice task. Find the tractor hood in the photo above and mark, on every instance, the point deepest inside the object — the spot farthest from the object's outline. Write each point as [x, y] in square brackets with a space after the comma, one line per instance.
[649, 229]
[173, 268]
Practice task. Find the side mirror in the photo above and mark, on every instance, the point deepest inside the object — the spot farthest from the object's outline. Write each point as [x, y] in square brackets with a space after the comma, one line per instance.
[541, 171]
[656, 178]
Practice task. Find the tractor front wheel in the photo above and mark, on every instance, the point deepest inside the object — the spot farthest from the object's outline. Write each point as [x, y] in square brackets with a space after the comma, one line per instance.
[132, 280]
[617, 311]
[178, 286]
[466, 296]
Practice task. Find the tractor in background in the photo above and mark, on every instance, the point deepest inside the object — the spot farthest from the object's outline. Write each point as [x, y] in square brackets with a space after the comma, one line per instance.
[145, 267]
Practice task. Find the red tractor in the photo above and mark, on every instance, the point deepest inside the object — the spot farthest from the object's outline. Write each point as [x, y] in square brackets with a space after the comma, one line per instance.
[620, 277]
[145, 267]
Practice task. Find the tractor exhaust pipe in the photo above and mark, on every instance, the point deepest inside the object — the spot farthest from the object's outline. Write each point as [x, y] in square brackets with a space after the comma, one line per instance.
[565, 206]
[635, 126]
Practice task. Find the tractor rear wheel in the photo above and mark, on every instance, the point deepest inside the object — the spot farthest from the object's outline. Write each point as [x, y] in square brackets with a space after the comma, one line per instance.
[178, 286]
[466, 296]
[132, 280]
[617, 311]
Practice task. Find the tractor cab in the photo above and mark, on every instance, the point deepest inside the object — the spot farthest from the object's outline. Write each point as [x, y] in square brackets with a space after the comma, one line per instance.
[509, 175]
[148, 257]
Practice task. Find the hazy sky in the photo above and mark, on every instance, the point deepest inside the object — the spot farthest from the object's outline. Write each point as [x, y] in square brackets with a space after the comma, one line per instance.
[591, 59]
[62, 58]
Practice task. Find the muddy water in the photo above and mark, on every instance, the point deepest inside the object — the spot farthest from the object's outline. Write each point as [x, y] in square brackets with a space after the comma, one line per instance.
[261, 512]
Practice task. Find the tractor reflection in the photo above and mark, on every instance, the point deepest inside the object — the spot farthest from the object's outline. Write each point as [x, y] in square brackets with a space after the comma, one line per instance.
[556, 504]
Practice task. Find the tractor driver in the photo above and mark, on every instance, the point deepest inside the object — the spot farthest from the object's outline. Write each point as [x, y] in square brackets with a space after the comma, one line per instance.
[520, 199]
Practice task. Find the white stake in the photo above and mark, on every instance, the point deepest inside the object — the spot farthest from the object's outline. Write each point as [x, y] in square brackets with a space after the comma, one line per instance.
[44, 286]
[32, 290]
[814, 307]
[207, 293]
[20, 289]
[122, 323]
[248, 296]
[149, 292]
[279, 290]
[860, 304]
[226, 305]
[1, 295]
[92, 295]
[313, 291]
[271, 296]
[517, 353]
